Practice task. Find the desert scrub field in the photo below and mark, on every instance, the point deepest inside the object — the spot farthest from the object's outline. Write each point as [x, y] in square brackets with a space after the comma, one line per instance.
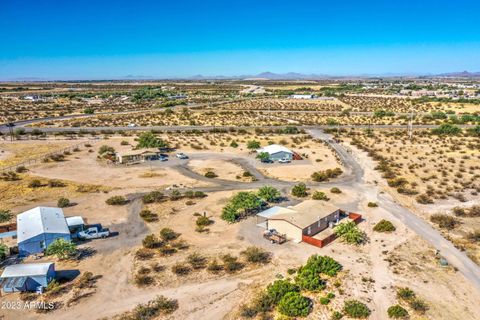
[285, 104]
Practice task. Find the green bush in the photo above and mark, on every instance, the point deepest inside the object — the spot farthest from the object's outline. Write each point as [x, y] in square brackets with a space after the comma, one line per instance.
[384, 226]
[149, 140]
[300, 190]
[319, 195]
[280, 288]
[63, 202]
[336, 315]
[350, 233]
[294, 305]
[168, 234]
[148, 216]
[356, 309]
[268, 193]
[210, 174]
[256, 255]
[418, 305]
[324, 300]
[372, 205]
[151, 241]
[105, 149]
[35, 183]
[397, 312]
[405, 294]
[253, 144]
[203, 221]
[61, 248]
[116, 201]
[234, 144]
[3, 251]
[447, 129]
[326, 175]
[5, 216]
[335, 190]
[154, 196]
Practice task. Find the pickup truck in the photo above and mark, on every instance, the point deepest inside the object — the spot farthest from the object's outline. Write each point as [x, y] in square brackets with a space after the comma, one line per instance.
[94, 233]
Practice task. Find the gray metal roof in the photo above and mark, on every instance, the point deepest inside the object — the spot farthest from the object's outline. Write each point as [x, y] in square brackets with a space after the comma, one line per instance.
[26, 270]
[40, 220]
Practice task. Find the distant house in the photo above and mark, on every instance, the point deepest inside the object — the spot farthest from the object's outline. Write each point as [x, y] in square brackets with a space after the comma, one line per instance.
[307, 218]
[27, 277]
[303, 96]
[137, 156]
[38, 228]
[277, 152]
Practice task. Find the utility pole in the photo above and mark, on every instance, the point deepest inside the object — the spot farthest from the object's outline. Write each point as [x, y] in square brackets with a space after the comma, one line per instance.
[410, 124]
[10, 126]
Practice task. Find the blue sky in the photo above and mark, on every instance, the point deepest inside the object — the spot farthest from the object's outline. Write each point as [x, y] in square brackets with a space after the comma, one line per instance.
[112, 39]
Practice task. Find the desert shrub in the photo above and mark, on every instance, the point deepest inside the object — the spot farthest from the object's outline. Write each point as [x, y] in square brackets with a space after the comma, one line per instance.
[372, 204]
[424, 199]
[116, 201]
[197, 261]
[142, 280]
[3, 251]
[151, 241]
[5, 215]
[148, 216]
[405, 294]
[234, 144]
[418, 305]
[35, 183]
[154, 196]
[144, 254]
[86, 280]
[326, 175]
[336, 315]
[319, 195]
[308, 276]
[268, 193]
[63, 202]
[444, 221]
[210, 174]
[152, 309]
[350, 233]
[181, 269]
[9, 176]
[447, 129]
[214, 266]
[294, 305]
[280, 288]
[124, 143]
[397, 312]
[175, 195]
[356, 309]
[474, 236]
[231, 263]
[21, 169]
[256, 255]
[309, 280]
[168, 234]
[253, 144]
[203, 221]
[55, 183]
[300, 190]
[335, 190]
[384, 226]
[105, 149]
[61, 248]
[167, 250]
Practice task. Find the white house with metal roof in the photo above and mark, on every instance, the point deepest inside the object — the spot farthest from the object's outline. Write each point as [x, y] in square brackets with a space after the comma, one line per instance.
[27, 277]
[37, 228]
[277, 152]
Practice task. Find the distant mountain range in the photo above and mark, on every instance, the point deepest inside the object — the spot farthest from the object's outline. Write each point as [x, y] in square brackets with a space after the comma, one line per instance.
[463, 74]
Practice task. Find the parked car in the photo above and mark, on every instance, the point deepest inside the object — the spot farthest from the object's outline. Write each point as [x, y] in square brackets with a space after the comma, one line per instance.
[94, 233]
[182, 155]
[284, 160]
[161, 158]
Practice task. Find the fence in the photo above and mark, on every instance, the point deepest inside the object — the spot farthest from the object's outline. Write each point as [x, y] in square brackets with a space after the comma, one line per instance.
[8, 227]
[355, 217]
[40, 158]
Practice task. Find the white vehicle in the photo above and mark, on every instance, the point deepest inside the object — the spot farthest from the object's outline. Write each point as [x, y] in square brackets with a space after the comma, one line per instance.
[182, 156]
[284, 160]
[131, 125]
[94, 233]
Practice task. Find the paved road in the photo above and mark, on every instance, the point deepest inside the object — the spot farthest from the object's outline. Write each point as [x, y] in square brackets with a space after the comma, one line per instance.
[465, 265]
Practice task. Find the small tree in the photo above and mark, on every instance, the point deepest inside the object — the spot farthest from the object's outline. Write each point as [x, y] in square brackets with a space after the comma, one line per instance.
[63, 202]
[319, 195]
[61, 248]
[300, 190]
[269, 193]
[253, 144]
[105, 149]
[168, 234]
[280, 288]
[350, 233]
[263, 156]
[149, 140]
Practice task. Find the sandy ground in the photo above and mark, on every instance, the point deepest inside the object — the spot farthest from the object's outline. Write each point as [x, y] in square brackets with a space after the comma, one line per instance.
[223, 169]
